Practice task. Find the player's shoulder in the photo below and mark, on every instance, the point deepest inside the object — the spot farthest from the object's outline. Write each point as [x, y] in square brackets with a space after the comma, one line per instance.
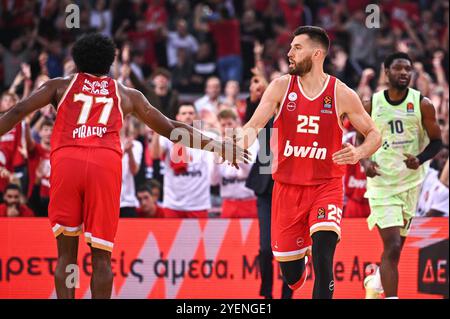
[343, 88]
[59, 82]
[278, 86]
[344, 92]
[281, 81]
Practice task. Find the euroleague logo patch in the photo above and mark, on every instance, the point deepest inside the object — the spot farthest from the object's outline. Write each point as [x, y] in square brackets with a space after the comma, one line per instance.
[321, 213]
[327, 102]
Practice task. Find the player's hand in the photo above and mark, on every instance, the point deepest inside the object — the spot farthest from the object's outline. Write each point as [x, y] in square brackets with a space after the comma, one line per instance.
[347, 155]
[370, 168]
[233, 153]
[411, 161]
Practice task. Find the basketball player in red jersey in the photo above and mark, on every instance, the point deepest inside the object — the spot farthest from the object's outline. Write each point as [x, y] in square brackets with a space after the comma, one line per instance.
[86, 155]
[309, 158]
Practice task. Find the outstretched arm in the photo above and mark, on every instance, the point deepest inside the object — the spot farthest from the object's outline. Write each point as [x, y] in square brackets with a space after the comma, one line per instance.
[349, 104]
[40, 98]
[266, 109]
[179, 132]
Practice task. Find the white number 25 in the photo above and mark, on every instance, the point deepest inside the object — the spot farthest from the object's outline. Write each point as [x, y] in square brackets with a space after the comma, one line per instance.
[334, 213]
[310, 122]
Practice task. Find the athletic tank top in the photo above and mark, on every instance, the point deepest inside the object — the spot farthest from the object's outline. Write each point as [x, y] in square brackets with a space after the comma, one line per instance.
[89, 114]
[307, 132]
[400, 125]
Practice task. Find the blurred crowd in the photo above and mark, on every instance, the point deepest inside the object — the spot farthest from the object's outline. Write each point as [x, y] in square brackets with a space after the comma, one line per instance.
[205, 63]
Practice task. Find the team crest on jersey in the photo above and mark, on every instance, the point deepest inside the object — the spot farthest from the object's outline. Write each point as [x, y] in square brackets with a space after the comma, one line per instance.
[96, 87]
[321, 213]
[292, 96]
[410, 107]
[291, 106]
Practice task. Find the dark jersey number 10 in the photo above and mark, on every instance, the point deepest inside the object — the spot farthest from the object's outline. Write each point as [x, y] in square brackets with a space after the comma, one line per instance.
[396, 126]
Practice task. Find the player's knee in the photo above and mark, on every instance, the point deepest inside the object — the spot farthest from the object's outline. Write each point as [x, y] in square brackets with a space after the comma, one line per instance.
[62, 268]
[393, 251]
[101, 262]
[323, 258]
[292, 271]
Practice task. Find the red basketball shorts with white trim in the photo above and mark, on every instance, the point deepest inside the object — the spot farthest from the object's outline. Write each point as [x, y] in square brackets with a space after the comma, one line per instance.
[298, 211]
[85, 185]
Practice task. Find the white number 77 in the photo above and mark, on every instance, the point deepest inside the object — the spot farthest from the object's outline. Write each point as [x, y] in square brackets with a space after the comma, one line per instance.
[87, 105]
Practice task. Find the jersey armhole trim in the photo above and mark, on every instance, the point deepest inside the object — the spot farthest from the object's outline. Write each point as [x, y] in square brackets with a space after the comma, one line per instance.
[67, 91]
[284, 98]
[336, 106]
[119, 100]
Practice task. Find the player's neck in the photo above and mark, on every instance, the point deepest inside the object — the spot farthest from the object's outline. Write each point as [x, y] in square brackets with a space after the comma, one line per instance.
[313, 81]
[396, 94]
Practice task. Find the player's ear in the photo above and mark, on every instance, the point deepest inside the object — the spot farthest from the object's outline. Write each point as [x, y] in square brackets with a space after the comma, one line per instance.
[317, 53]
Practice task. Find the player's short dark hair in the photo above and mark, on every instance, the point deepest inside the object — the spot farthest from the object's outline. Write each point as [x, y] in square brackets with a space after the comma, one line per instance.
[13, 187]
[394, 56]
[316, 34]
[145, 188]
[94, 53]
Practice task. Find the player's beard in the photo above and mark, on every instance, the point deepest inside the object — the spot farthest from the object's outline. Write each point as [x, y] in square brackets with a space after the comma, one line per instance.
[400, 87]
[396, 84]
[301, 68]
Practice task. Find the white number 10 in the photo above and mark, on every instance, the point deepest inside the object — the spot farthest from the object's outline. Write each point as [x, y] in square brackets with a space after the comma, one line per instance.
[87, 105]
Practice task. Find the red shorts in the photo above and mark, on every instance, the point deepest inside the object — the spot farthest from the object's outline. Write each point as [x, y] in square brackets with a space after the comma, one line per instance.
[234, 208]
[172, 213]
[85, 185]
[299, 211]
[354, 208]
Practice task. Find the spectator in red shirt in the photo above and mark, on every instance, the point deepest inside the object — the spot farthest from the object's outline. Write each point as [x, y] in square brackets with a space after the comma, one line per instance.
[400, 11]
[355, 180]
[227, 37]
[39, 154]
[147, 205]
[10, 142]
[294, 13]
[156, 14]
[38, 192]
[11, 206]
